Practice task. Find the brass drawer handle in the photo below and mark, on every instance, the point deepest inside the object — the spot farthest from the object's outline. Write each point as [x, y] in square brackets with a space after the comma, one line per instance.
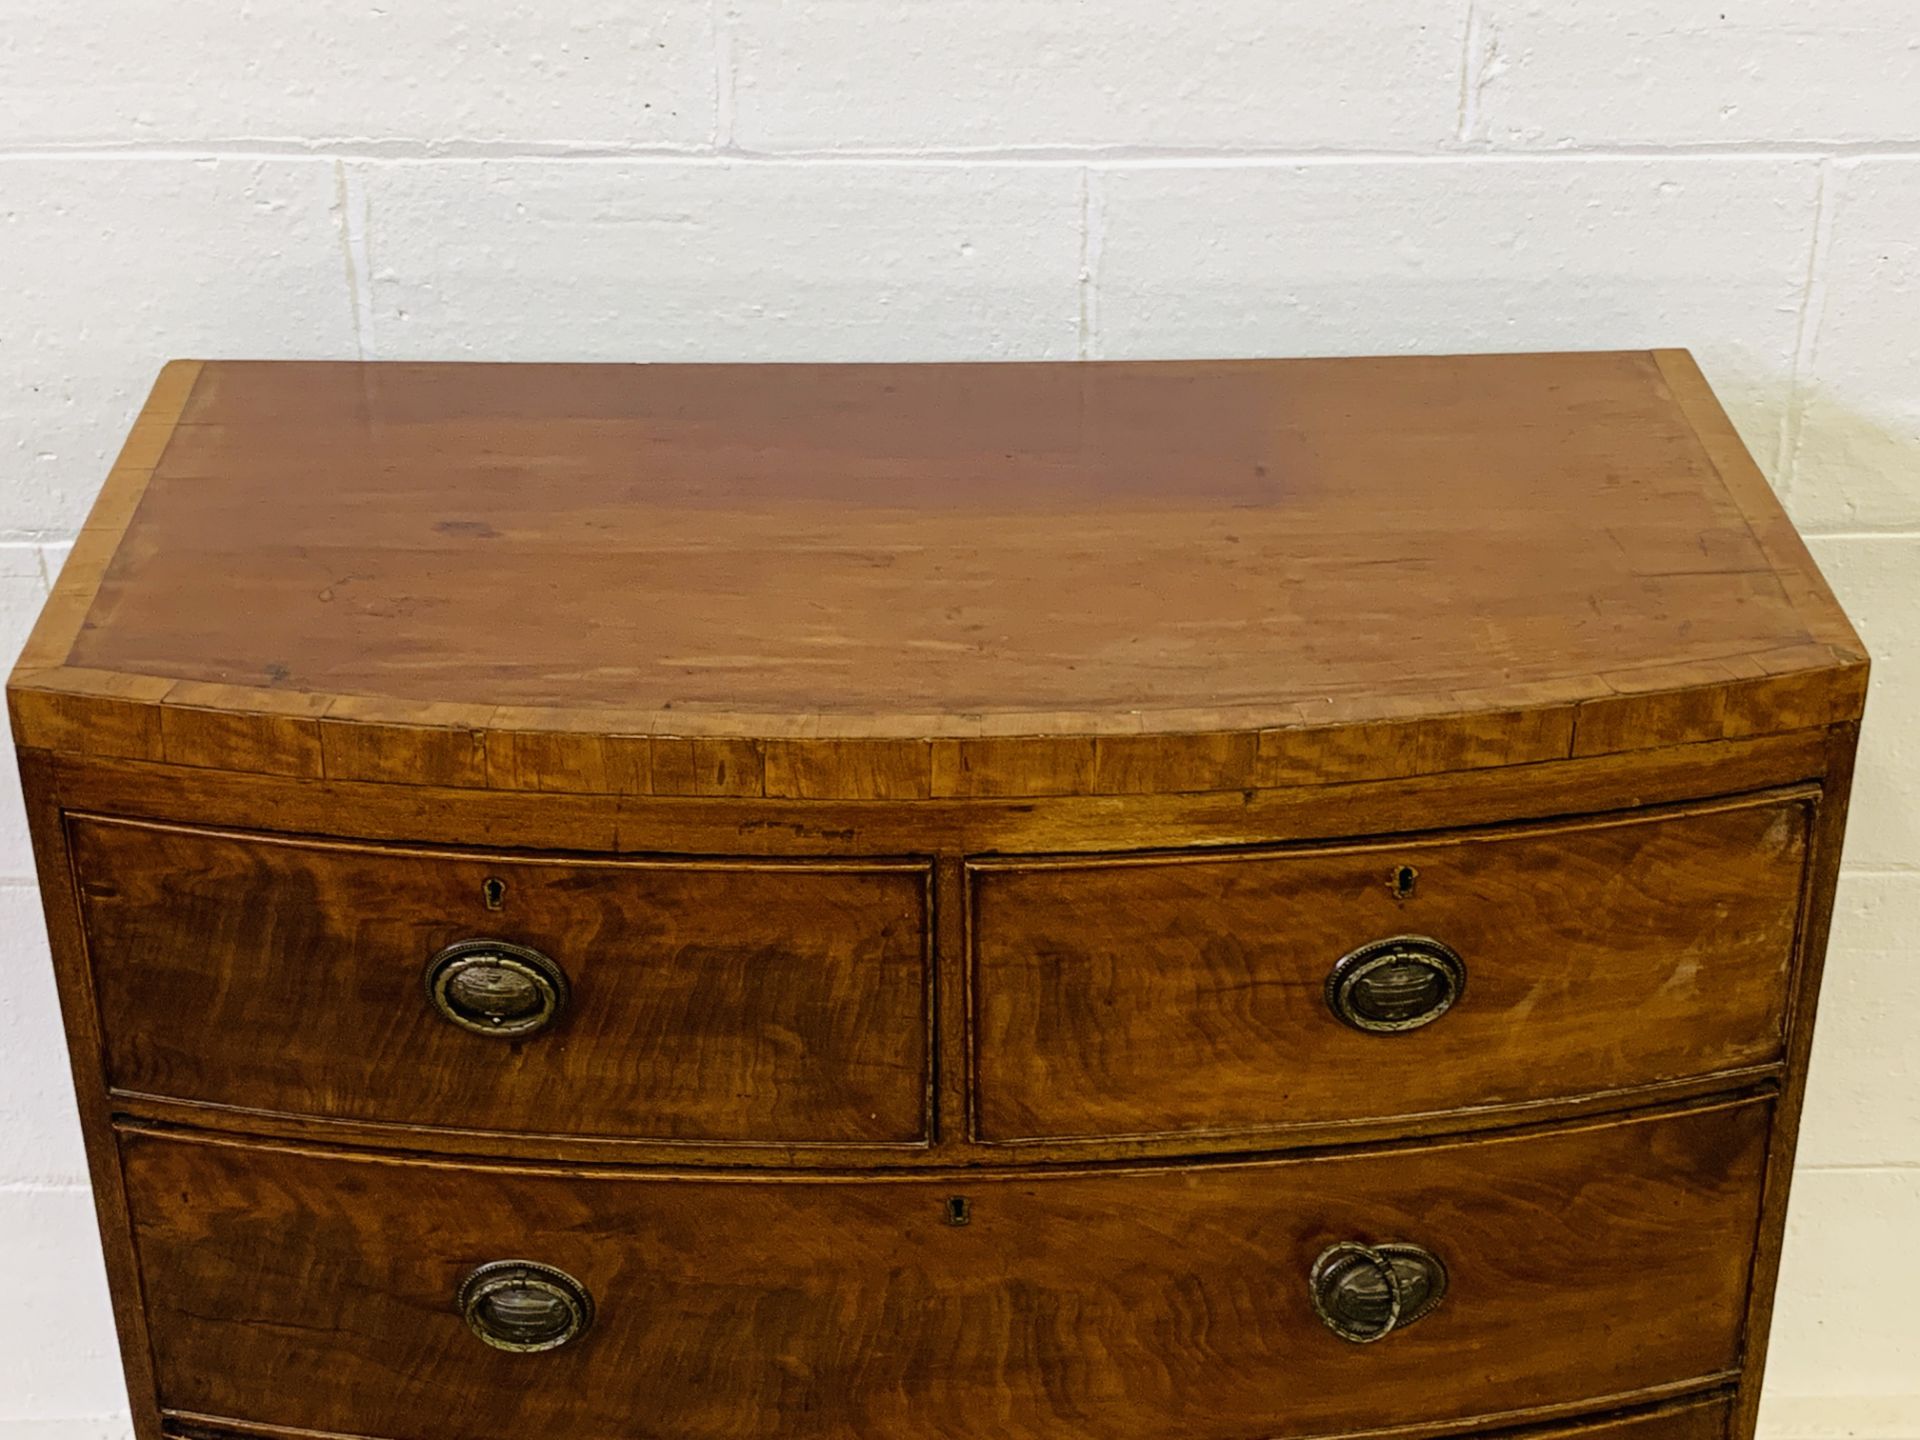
[1366, 1292]
[493, 988]
[1397, 984]
[524, 1307]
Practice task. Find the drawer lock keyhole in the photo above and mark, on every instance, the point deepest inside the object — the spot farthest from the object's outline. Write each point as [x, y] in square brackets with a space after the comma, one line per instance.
[493, 893]
[959, 1210]
[1402, 881]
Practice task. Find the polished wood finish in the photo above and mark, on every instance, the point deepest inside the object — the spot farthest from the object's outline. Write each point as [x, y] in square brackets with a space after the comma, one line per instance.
[1187, 992]
[1694, 1416]
[1803, 995]
[945, 790]
[74, 984]
[1113, 1303]
[904, 582]
[745, 1002]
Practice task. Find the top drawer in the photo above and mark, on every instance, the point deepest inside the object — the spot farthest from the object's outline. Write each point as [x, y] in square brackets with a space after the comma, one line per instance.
[1155, 996]
[713, 1002]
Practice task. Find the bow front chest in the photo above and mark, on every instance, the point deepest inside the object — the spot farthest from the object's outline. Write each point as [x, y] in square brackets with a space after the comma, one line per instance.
[1247, 900]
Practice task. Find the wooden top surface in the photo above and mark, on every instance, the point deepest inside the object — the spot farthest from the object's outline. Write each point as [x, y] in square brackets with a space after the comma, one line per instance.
[935, 579]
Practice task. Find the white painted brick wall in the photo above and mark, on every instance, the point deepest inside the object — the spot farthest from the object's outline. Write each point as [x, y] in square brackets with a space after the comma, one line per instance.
[290, 73]
[1331, 255]
[1563, 73]
[1858, 423]
[996, 75]
[705, 260]
[981, 178]
[109, 260]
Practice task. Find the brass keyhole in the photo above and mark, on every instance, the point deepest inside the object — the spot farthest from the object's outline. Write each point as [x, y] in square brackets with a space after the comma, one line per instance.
[959, 1210]
[493, 893]
[1402, 881]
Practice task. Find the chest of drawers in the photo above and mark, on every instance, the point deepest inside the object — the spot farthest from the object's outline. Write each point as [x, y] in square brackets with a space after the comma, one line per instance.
[1248, 901]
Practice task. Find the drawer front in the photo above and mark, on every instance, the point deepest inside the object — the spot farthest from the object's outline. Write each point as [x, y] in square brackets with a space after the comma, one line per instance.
[1122, 996]
[1584, 1265]
[705, 1002]
[1706, 1416]
[1703, 1418]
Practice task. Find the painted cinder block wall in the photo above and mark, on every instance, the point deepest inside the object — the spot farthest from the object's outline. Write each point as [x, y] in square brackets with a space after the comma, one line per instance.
[922, 179]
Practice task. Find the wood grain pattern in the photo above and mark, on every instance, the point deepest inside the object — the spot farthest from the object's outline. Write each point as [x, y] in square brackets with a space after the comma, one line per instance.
[1111, 1304]
[74, 984]
[1699, 1416]
[917, 582]
[920, 770]
[1187, 993]
[1695, 1418]
[1803, 1001]
[715, 1002]
[705, 824]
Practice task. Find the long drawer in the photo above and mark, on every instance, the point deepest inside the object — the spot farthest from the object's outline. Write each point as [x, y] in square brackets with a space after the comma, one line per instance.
[1448, 1283]
[709, 1001]
[1704, 1415]
[1234, 994]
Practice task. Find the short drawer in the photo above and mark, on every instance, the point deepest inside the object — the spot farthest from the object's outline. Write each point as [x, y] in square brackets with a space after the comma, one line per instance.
[1127, 1304]
[1223, 994]
[718, 1002]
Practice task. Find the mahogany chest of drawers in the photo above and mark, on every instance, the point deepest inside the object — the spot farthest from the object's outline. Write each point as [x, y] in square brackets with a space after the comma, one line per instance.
[1240, 901]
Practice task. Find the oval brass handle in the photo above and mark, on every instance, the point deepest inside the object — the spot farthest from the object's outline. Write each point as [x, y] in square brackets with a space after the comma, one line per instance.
[1366, 1292]
[523, 1306]
[493, 988]
[1397, 984]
